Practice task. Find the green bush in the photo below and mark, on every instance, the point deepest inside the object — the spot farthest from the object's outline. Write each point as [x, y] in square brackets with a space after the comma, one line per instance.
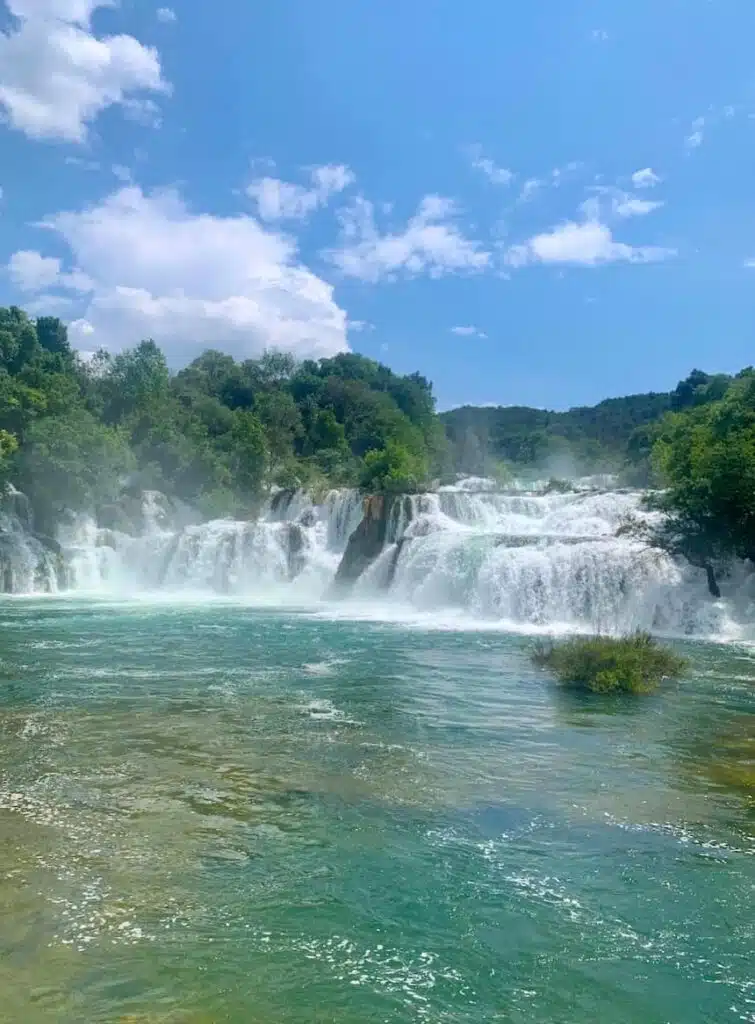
[392, 470]
[604, 664]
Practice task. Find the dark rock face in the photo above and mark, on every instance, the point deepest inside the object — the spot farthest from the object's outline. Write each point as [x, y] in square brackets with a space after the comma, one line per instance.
[368, 540]
[295, 545]
[280, 502]
[307, 518]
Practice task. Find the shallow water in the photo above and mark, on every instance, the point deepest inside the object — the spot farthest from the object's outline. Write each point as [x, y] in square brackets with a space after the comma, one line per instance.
[221, 813]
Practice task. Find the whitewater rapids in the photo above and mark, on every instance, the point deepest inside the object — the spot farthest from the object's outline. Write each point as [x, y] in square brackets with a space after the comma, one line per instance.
[520, 559]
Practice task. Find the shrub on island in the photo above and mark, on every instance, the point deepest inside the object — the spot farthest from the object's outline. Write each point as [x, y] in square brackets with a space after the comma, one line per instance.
[604, 664]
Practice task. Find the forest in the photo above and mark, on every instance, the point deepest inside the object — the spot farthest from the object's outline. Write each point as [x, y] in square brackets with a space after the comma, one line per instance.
[216, 434]
[78, 434]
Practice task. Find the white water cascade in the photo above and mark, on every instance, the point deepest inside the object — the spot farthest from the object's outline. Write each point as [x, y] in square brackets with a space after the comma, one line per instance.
[559, 561]
[521, 559]
[290, 553]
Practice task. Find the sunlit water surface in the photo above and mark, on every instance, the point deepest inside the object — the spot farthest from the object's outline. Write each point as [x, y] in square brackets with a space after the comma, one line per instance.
[220, 813]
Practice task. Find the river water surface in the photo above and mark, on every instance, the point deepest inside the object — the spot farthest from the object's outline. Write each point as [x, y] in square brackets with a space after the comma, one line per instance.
[219, 813]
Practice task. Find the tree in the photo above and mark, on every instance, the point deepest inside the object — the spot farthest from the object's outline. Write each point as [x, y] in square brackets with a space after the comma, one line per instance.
[699, 388]
[282, 421]
[136, 377]
[393, 470]
[706, 456]
[216, 434]
[249, 453]
[52, 335]
[72, 462]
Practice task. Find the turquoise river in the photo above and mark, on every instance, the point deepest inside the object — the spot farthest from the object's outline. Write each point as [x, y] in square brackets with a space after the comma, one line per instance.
[213, 812]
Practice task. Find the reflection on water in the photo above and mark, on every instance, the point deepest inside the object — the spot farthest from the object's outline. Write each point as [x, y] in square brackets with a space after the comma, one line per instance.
[219, 814]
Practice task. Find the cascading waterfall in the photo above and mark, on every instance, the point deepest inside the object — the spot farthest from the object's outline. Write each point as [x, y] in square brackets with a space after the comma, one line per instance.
[550, 561]
[294, 541]
[523, 558]
[27, 565]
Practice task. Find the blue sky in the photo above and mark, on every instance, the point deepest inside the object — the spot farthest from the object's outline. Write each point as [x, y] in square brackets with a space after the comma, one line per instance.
[544, 203]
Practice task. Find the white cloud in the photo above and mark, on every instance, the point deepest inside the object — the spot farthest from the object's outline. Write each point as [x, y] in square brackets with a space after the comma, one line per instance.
[624, 205]
[191, 281]
[282, 200]
[559, 173]
[529, 188]
[750, 264]
[122, 173]
[587, 244]
[496, 175]
[608, 201]
[332, 178]
[468, 332]
[695, 138]
[646, 178]
[30, 271]
[431, 243]
[599, 35]
[56, 76]
[85, 165]
[166, 15]
[361, 325]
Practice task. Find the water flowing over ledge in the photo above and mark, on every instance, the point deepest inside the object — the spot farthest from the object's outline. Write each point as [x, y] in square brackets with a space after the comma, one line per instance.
[519, 558]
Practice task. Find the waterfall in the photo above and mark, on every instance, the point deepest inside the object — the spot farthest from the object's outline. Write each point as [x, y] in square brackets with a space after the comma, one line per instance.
[27, 564]
[522, 558]
[291, 550]
[537, 560]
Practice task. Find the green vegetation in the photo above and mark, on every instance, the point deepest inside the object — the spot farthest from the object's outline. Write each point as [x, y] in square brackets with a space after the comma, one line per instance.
[589, 439]
[605, 664]
[216, 434]
[705, 455]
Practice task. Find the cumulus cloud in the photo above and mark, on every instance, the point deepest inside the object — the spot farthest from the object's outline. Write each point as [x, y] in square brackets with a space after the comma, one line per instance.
[165, 14]
[30, 271]
[282, 200]
[157, 270]
[646, 178]
[56, 76]
[431, 243]
[468, 332]
[587, 244]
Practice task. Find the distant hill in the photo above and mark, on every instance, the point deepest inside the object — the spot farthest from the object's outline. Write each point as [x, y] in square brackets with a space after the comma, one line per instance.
[590, 437]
